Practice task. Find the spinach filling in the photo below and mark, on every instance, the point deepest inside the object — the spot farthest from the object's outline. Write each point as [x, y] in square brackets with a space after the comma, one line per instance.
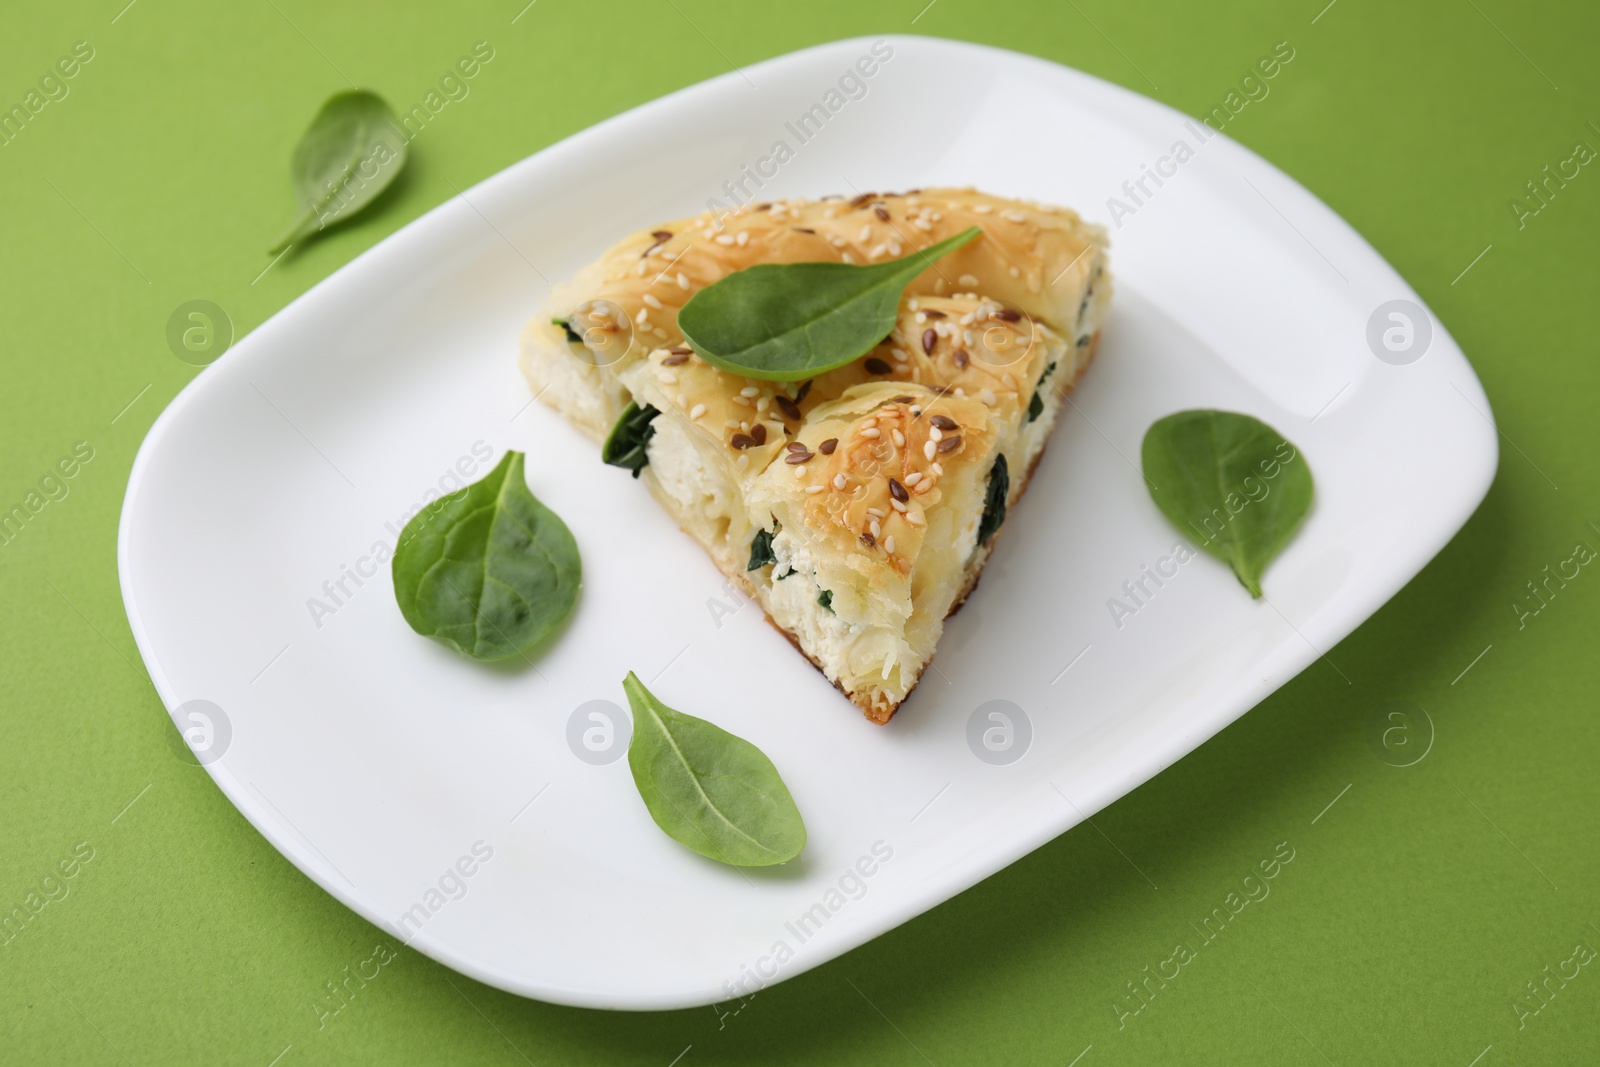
[624, 446]
[1036, 405]
[572, 336]
[994, 507]
[761, 551]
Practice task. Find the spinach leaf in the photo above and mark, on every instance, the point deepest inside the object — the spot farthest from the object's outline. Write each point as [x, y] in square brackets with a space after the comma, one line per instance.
[1232, 482]
[1036, 405]
[710, 791]
[573, 337]
[787, 321]
[994, 503]
[487, 570]
[826, 600]
[354, 148]
[624, 446]
[761, 551]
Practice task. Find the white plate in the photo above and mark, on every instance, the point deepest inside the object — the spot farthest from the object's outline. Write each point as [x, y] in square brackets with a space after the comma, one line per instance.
[376, 760]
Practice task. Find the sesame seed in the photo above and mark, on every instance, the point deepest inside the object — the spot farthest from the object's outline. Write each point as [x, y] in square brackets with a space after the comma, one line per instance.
[724, 239]
[827, 447]
[981, 209]
[877, 531]
[871, 431]
[1015, 273]
[922, 317]
[643, 316]
[696, 411]
[888, 543]
[1014, 216]
[987, 396]
[913, 478]
[800, 471]
[746, 401]
[877, 250]
[876, 513]
[938, 468]
[683, 282]
[901, 508]
[750, 390]
[915, 518]
[967, 280]
[935, 434]
[743, 462]
[846, 257]
[836, 241]
[743, 239]
[668, 378]
[899, 438]
[875, 365]
[839, 481]
[652, 301]
[642, 268]
[865, 234]
[894, 248]
[929, 339]
[813, 489]
[929, 449]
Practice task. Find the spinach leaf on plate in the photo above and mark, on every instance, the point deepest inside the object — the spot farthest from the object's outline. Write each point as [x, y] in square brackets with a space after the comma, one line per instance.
[787, 321]
[487, 570]
[710, 791]
[1230, 481]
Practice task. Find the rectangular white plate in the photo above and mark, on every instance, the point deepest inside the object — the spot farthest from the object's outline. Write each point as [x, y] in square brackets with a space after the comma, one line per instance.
[375, 760]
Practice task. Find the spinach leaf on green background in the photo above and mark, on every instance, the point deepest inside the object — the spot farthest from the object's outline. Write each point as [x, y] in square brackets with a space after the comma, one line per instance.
[352, 151]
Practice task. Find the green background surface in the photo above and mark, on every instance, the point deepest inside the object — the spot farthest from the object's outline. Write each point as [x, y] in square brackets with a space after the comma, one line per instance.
[1417, 907]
